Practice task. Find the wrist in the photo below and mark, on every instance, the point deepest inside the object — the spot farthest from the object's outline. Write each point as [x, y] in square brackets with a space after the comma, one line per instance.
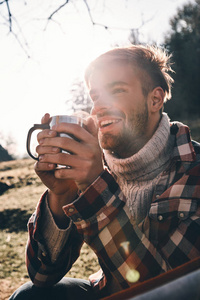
[56, 203]
[84, 186]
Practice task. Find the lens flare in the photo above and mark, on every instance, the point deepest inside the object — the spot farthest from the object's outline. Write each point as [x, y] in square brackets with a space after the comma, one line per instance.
[125, 246]
[132, 276]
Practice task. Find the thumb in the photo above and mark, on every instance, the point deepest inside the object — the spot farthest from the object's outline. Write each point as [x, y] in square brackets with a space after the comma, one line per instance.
[91, 126]
[45, 118]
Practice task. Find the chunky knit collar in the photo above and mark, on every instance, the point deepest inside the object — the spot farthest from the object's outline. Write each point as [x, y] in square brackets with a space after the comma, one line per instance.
[148, 161]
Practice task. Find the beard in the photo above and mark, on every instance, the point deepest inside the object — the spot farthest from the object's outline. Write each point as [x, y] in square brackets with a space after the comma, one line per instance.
[131, 138]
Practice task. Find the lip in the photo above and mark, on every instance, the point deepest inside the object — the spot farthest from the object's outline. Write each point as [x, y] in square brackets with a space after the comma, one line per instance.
[107, 123]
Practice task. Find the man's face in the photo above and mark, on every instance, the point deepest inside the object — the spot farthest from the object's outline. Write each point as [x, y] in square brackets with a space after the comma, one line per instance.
[120, 109]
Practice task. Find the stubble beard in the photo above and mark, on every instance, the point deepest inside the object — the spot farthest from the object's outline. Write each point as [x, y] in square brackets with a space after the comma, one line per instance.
[130, 139]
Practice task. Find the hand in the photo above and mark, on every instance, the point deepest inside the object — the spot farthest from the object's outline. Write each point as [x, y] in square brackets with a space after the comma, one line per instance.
[46, 170]
[85, 160]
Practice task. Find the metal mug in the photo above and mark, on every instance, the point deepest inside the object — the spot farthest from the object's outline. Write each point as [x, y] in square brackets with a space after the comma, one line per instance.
[53, 121]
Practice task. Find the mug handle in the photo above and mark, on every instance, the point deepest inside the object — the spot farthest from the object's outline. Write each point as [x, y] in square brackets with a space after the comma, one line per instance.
[28, 141]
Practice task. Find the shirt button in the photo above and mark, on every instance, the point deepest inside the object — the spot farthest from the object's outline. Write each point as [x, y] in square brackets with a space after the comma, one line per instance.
[157, 196]
[181, 215]
[71, 210]
[43, 254]
[160, 218]
[79, 219]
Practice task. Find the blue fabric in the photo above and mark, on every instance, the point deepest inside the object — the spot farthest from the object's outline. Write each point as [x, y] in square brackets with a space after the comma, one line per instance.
[66, 289]
[184, 288]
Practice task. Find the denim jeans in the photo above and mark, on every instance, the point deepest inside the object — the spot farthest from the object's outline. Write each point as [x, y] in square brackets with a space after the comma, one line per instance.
[66, 289]
[184, 288]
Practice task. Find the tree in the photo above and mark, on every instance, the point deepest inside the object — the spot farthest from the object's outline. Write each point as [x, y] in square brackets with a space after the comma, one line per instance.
[18, 16]
[184, 44]
[4, 155]
[7, 147]
[79, 100]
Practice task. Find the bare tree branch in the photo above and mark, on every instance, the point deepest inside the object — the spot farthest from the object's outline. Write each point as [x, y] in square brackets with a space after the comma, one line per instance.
[20, 43]
[90, 16]
[9, 15]
[111, 27]
[89, 12]
[57, 10]
[10, 20]
[50, 18]
[11, 23]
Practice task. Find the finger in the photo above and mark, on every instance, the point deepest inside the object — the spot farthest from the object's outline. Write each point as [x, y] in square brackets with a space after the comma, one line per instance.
[45, 118]
[46, 133]
[91, 126]
[66, 173]
[51, 150]
[75, 130]
[42, 167]
[64, 159]
[76, 173]
[68, 144]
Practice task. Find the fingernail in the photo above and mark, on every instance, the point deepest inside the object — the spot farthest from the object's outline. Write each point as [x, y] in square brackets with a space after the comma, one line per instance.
[51, 166]
[55, 149]
[51, 133]
[41, 157]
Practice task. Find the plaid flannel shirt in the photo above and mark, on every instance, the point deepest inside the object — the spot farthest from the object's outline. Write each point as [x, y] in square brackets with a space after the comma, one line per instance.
[169, 235]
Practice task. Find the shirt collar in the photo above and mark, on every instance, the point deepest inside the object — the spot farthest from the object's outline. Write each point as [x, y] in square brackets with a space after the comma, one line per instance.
[183, 149]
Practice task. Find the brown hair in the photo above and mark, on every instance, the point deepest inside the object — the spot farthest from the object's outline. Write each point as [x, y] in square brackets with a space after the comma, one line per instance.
[152, 63]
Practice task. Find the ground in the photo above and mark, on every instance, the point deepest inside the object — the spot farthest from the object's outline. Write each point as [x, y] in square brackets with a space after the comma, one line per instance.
[16, 206]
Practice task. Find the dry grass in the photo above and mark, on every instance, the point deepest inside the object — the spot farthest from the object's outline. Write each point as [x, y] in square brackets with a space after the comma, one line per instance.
[16, 206]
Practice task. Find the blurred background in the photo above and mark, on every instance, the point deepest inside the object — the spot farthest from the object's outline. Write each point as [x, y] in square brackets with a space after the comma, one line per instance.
[46, 45]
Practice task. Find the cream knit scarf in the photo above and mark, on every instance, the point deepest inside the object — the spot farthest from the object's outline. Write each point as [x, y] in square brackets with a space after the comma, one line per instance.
[137, 175]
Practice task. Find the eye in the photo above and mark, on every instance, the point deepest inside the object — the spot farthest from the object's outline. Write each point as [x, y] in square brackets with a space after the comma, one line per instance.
[118, 91]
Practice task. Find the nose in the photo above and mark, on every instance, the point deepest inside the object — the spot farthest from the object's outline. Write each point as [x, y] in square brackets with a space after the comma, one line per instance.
[101, 103]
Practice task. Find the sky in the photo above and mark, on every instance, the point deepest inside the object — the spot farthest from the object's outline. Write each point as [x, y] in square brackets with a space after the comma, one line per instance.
[38, 68]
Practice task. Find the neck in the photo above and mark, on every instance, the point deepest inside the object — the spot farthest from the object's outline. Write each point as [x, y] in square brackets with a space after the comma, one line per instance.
[136, 145]
[152, 156]
[130, 150]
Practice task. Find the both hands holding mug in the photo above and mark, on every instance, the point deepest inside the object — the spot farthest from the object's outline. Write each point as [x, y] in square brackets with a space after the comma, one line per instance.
[82, 157]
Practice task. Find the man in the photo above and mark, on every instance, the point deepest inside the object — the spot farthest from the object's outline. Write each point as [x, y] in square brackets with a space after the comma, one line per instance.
[135, 203]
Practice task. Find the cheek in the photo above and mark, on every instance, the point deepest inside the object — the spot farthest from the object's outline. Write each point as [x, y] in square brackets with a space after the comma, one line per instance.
[137, 114]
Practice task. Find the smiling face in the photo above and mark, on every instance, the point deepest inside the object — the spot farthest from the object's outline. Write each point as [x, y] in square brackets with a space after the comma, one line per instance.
[120, 108]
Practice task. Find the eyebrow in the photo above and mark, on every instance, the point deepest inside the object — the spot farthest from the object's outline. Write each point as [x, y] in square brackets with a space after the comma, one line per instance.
[115, 83]
[110, 86]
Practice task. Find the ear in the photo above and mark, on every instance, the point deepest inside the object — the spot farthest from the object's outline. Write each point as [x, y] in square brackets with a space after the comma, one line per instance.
[156, 99]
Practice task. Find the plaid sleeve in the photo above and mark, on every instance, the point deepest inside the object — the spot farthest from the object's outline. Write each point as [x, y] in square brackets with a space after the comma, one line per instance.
[41, 270]
[101, 216]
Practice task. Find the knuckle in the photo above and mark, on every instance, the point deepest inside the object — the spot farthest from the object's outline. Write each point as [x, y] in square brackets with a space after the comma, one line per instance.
[91, 155]
[38, 149]
[43, 134]
[40, 134]
[62, 142]
[76, 129]
[60, 173]
[75, 126]
[55, 150]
